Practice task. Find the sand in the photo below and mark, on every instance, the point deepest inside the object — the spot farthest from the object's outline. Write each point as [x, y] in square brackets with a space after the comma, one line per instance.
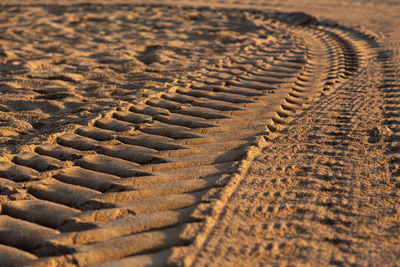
[218, 133]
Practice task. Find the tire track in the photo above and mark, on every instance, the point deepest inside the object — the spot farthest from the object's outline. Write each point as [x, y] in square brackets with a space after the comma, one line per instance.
[145, 178]
[309, 198]
[389, 132]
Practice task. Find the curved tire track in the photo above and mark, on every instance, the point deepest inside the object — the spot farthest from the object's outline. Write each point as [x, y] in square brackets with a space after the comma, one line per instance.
[325, 191]
[145, 179]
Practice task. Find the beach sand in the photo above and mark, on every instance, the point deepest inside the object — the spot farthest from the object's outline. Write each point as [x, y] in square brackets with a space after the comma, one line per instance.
[215, 133]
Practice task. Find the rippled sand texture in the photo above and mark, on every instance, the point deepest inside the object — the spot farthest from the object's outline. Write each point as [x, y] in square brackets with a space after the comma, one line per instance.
[66, 65]
[208, 133]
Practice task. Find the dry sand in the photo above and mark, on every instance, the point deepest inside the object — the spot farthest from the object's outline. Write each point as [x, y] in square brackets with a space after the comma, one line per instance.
[218, 133]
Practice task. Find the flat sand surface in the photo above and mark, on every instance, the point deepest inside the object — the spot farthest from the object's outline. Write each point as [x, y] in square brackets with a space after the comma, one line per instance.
[207, 133]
